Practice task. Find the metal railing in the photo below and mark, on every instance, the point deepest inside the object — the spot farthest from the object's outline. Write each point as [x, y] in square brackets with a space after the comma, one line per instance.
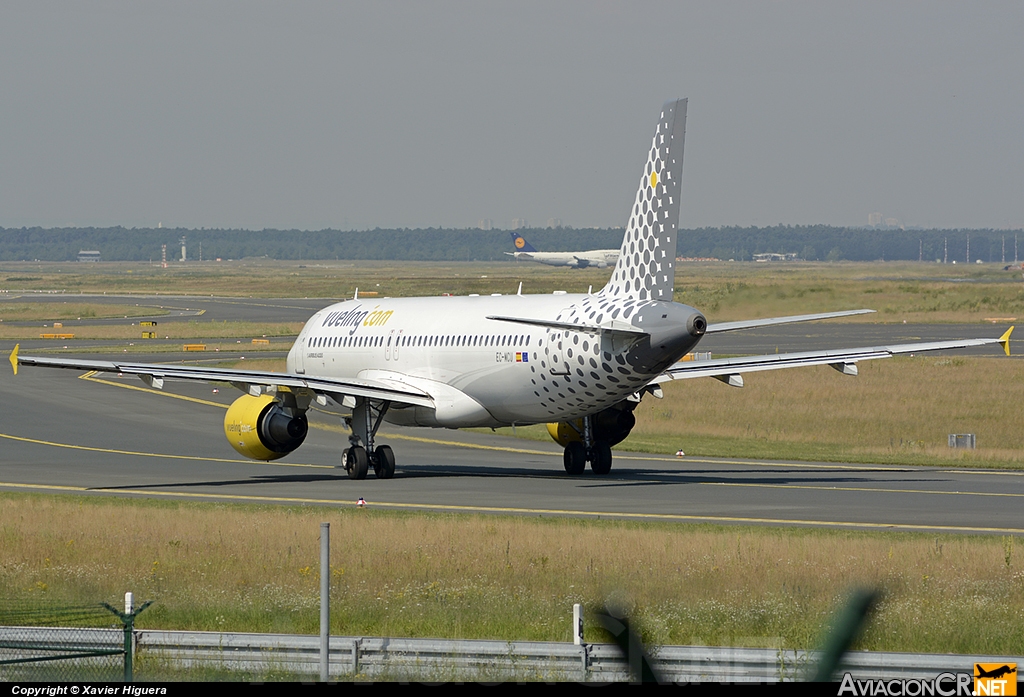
[441, 659]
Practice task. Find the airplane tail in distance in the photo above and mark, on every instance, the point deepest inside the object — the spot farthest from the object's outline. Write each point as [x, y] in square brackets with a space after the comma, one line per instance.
[646, 266]
[520, 243]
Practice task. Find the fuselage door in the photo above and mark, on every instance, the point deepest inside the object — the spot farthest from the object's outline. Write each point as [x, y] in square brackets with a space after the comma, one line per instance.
[387, 346]
[300, 355]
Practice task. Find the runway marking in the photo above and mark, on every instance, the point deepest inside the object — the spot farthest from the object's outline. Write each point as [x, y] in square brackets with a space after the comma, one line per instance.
[525, 451]
[864, 488]
[671, 517]
[160, 455]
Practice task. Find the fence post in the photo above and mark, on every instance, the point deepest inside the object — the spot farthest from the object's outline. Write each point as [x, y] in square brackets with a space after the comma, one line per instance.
[128, 621]
[325, 601]
[129, 624]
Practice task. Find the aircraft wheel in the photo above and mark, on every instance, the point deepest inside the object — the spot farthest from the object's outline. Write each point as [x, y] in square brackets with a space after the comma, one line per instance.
[601, 458]
[357, 462]
[575, 458]
[384, 462]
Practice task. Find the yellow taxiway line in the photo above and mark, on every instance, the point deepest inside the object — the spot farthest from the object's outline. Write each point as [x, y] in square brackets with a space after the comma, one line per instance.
[818, 487]
[89, 376]
[508, 510]
[160, 455]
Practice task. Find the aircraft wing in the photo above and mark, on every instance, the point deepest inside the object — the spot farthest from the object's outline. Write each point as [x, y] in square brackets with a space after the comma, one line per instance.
[154, 374]
[730, 370]
[751, 323]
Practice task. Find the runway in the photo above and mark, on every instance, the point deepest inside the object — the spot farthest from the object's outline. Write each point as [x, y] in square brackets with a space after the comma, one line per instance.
[110, 436]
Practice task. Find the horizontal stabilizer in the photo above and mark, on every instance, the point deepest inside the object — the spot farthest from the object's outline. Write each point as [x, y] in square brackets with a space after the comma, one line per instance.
[792, 319]
[621, 328]
[843, 360]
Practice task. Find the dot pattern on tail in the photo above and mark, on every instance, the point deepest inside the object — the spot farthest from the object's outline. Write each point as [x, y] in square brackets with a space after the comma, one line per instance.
[646, 266]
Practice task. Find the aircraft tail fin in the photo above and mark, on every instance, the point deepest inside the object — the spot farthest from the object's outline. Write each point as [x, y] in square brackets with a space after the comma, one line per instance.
[521, 244]
[646, 266]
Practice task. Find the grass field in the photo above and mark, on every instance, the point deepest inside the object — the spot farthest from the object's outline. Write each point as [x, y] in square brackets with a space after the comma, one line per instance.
[915, 292]
[237, 568]
[897, 410]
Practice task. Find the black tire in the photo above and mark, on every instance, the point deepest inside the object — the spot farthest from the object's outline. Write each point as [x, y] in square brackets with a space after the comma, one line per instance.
[384, 462]
[357, 462]
[601, 458]
[575, 458]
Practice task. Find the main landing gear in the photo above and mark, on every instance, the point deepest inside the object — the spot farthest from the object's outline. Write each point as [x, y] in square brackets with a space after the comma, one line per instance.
[578, 453]
[362, 453]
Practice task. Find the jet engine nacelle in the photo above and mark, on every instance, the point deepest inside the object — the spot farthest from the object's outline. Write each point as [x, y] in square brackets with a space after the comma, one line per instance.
[261, 428]
[611, 426]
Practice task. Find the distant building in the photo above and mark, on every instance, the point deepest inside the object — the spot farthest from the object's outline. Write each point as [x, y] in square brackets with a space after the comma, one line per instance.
[874, 219]
[485, 224]
[519, 223]
[554, 222]
[88, 255]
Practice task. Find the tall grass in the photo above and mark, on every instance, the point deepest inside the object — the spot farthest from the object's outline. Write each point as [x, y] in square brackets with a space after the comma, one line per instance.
[228, 567]
[896, 410]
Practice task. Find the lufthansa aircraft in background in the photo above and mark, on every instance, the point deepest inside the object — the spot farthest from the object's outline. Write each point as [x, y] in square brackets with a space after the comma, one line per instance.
[580, 363]
[595, 258]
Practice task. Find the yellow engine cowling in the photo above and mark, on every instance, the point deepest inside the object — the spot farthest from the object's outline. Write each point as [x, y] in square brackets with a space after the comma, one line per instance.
[563, 433]
[261, 428]
[610, 425]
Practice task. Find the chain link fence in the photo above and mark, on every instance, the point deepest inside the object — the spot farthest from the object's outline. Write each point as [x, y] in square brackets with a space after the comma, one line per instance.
[80, 643]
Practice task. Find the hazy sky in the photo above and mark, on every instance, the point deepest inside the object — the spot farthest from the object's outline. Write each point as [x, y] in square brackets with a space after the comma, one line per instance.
[359, 115]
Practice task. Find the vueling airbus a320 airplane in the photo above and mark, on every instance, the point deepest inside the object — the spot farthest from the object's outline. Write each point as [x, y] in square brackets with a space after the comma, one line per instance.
[580, 363]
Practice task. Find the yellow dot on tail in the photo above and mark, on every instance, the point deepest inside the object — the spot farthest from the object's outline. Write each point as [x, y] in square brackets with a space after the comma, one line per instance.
[654, 179]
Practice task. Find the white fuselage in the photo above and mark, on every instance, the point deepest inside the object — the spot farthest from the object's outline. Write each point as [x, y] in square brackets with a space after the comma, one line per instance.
[597, 258]
[486, 372]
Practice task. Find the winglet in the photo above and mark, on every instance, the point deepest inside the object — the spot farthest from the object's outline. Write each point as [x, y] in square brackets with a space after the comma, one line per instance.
[14, 358]
[1004, 341]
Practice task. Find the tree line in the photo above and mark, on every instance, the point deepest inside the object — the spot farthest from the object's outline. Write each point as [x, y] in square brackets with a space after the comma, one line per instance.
[810, 242]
